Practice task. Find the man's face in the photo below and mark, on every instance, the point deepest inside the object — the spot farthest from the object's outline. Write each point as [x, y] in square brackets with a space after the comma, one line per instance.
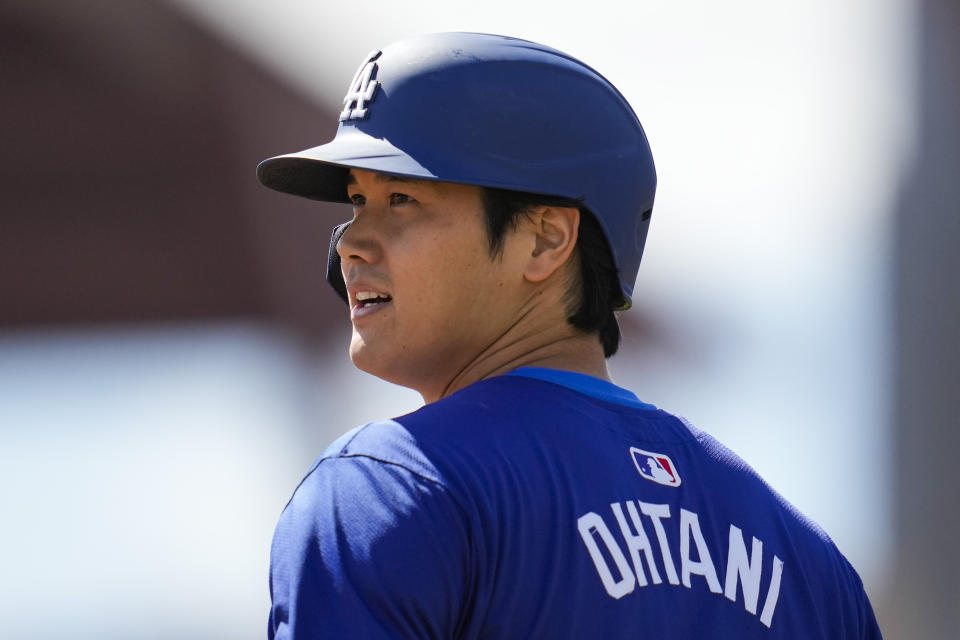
[426, 298]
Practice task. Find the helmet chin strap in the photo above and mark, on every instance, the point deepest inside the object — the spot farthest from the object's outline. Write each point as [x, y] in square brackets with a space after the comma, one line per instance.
[334, 274]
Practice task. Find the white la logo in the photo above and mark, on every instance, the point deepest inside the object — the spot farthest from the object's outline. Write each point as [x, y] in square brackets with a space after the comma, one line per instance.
[361, 91]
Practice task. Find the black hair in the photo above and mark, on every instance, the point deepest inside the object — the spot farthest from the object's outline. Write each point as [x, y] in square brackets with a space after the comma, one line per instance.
[596, 293]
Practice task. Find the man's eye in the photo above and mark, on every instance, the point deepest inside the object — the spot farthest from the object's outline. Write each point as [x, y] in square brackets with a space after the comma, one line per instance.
[357, 200]
[400, 198]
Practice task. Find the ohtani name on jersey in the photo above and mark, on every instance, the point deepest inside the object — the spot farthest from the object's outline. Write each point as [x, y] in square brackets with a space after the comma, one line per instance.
[741, 569]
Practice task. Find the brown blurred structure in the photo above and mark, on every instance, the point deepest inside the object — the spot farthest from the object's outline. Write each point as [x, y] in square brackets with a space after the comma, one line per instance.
[129, 139]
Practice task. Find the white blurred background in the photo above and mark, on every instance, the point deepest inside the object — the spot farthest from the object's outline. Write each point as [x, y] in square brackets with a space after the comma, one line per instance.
[171, 363]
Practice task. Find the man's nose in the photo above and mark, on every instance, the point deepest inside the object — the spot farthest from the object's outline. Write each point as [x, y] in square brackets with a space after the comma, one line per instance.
[358, 241]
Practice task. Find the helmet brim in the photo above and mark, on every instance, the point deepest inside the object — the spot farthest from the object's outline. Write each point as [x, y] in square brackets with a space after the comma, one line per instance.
[320, 173]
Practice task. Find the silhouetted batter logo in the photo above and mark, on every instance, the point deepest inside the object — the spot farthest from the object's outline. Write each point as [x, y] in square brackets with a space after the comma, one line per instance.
[657, 467]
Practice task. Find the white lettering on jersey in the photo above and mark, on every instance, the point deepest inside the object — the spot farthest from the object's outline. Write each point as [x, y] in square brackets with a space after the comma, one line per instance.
[773, 592]
[361, 91]
[747, 572]
[655, 512]
[690, 526]
[636, 543]
[589, 523]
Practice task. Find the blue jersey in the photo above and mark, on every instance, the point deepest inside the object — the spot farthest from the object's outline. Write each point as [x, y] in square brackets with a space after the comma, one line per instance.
[547, 504]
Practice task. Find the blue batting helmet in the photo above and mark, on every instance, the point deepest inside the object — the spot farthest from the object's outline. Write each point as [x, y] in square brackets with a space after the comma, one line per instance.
[490, 111]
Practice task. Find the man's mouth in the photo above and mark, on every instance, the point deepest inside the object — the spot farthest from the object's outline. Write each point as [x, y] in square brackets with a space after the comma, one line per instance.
[367, 302]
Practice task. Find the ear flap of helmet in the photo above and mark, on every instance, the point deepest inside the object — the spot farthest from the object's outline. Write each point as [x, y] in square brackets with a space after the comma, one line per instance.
[334, 275]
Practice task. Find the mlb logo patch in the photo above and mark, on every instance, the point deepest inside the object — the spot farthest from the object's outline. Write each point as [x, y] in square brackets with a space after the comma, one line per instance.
[657, 467]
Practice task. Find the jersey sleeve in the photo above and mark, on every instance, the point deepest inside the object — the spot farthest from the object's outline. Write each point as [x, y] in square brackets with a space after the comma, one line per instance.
[368, 549]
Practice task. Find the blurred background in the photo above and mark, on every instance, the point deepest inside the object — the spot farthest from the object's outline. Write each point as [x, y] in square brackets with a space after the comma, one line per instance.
[171, 359]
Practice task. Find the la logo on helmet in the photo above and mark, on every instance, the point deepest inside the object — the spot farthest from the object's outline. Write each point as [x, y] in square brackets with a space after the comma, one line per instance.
[362, 90]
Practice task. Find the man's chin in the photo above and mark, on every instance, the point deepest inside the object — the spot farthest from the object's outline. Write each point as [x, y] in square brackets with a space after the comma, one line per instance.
[388, 366]
[369, 359]
[360, 353]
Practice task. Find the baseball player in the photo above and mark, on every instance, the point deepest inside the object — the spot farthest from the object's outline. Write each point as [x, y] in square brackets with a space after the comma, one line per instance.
[501, 194]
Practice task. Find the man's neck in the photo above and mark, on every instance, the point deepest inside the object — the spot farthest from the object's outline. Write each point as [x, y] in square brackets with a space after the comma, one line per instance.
[567, 350]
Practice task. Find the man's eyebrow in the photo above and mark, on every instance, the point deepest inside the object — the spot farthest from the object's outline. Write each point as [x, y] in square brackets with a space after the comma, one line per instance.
[383, 177]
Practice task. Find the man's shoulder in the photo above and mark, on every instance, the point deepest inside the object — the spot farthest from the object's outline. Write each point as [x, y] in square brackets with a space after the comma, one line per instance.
[753, 503]
[732, 479]
[387, 442]
[418, 441]
[371, 480]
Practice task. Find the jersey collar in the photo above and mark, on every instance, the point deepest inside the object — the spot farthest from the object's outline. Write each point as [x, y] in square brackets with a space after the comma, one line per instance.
[582, 383]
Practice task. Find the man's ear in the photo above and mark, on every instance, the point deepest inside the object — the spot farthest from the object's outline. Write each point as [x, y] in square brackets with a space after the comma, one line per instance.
[556, 230]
